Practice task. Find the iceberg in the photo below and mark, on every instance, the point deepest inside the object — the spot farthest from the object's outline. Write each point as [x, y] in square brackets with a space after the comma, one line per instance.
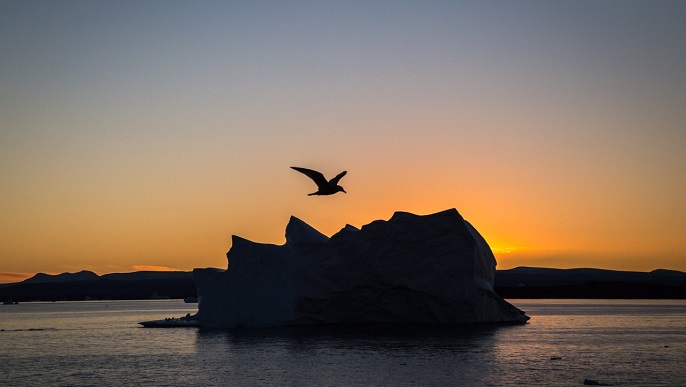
[411, 269]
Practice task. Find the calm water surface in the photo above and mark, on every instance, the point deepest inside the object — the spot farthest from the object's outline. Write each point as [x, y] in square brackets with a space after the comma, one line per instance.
[99, 343]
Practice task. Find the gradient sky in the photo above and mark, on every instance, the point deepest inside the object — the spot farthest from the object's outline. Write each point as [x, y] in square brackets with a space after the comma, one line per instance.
[140, 135]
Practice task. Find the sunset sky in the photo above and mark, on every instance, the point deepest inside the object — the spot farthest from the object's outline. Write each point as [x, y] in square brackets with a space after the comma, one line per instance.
[142, 134]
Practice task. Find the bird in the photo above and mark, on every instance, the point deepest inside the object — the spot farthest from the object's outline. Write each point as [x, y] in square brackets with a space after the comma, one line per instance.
[324, 187]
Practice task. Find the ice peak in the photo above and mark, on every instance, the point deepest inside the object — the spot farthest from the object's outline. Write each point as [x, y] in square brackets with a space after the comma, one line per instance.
[298, 232]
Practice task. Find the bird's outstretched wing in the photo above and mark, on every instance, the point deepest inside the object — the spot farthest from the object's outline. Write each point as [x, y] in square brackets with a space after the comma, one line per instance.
[338, 177]
[318, 178]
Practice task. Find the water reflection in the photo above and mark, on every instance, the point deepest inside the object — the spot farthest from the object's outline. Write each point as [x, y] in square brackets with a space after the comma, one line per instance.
[352, 355]
[390, 337]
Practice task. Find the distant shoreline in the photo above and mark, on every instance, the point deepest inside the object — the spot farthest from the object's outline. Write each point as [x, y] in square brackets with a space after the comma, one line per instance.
[523, 282]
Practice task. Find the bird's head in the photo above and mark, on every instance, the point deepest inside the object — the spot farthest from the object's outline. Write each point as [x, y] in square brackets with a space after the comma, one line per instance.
[339, 188]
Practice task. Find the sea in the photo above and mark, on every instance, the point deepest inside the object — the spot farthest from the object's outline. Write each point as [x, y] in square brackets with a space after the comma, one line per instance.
[566, 343]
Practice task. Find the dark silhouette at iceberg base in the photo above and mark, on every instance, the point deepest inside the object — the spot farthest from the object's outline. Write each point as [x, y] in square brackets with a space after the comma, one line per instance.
[411, 269]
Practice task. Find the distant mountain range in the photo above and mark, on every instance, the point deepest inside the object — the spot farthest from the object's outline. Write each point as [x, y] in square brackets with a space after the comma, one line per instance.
[86, 285]
[536, 276]
[86, 275]
[533, 282]
[520, 282]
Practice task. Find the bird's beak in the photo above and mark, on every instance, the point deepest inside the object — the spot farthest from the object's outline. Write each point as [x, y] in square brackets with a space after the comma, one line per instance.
[344, 191]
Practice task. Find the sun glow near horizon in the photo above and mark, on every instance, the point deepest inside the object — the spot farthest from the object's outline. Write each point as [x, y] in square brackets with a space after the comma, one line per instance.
[515, 222]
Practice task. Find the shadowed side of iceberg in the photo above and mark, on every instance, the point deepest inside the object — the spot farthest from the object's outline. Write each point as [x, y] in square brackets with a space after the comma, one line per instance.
[433, 269]
[256, 289]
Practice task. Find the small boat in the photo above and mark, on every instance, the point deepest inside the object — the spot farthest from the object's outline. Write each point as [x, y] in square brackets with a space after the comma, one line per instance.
[172, 322]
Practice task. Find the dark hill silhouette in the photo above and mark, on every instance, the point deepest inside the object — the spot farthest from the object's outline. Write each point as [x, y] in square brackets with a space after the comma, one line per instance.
[117, 286]
[536, 276]
[531, 282]
[83, 275]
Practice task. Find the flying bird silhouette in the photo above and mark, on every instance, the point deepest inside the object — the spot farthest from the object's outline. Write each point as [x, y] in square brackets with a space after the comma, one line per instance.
[323, 187]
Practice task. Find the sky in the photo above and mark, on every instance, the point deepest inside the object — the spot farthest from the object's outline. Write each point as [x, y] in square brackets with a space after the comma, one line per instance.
[142, 135]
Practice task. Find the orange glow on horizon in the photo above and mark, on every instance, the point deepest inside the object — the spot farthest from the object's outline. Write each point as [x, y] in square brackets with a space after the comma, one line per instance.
[154, 268]
[8, 277]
